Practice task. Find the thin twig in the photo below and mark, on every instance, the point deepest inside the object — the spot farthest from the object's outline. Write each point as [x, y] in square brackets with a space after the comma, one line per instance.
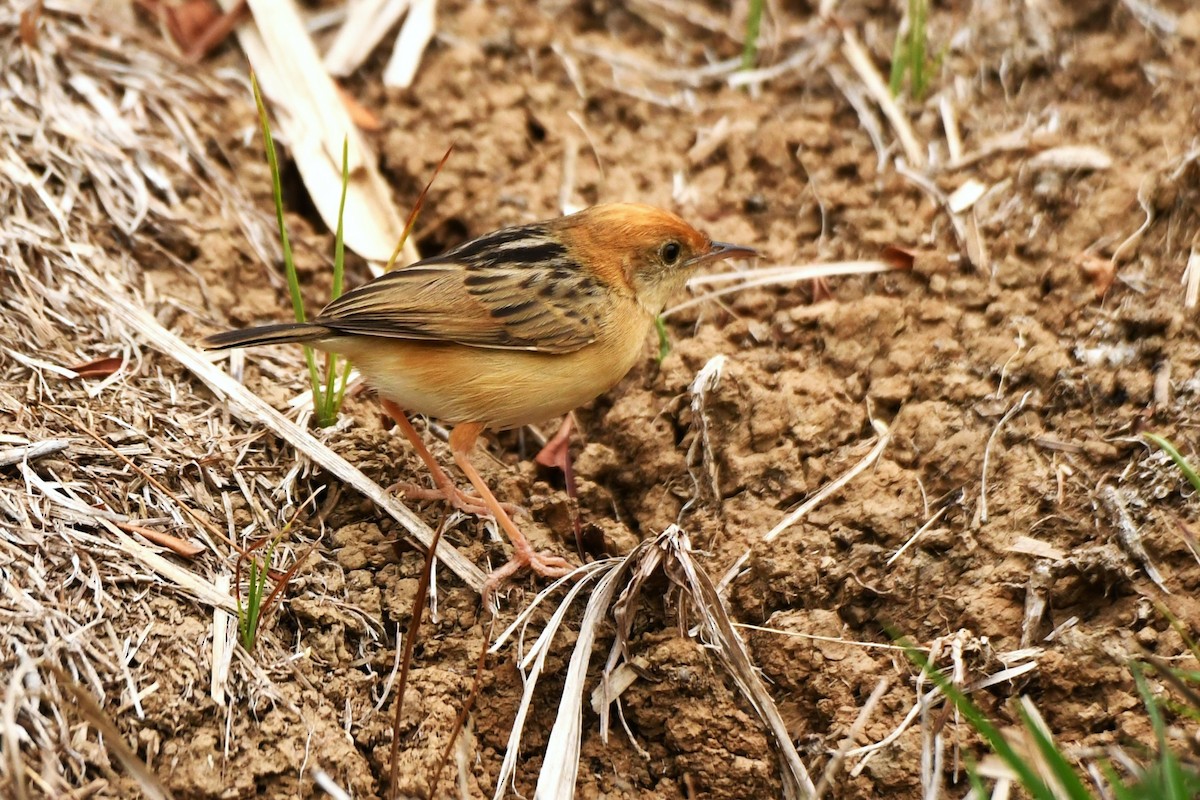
[856, 54]
[885, 436]
[157, 484]
[987, 452]
[410, 640]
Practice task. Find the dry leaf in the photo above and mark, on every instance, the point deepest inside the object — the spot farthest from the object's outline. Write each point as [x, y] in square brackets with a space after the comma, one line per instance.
[362, 116]
[898, 257]
[29, 23]
[100, 368]
[180, 547]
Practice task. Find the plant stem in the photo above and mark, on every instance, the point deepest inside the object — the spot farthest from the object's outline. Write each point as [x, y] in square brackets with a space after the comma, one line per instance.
[753, 25]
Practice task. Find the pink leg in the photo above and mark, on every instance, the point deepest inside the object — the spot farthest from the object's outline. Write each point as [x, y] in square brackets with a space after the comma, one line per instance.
[444, 487]
[462, 443]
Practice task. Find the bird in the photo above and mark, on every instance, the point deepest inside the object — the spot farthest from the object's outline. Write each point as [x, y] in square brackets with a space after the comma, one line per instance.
[516, 327]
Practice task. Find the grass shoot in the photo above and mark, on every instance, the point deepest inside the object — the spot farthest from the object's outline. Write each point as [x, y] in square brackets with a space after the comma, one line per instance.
[753, 25]
[251, 610]
[909, 56]
[664, 340]
[1184, 465]
[327, 394]
[1044, 770]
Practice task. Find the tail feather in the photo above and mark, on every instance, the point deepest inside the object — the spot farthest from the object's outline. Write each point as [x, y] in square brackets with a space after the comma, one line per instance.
[265, 334]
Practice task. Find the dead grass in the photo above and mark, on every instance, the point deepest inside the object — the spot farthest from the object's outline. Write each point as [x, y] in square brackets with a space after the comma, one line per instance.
[104, 160]
[117, 557]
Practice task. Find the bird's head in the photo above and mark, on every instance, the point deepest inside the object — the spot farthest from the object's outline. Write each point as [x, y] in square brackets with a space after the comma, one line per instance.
[642, 249]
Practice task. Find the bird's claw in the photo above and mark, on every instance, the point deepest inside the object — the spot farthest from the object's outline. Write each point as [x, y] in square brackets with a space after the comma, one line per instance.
[462, 501]
[543, 563]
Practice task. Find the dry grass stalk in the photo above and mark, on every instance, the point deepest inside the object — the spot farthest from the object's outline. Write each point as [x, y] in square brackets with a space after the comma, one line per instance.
[706, 380]
[615, 587]
[949, 115]
[864, 716]
[774, 276]
[941, 512]
[1037, 599]
[931, 707]
[812, 44]
[415, 35]
[314, 122]
[365, 26]
[223, 639]
[826, 491]
[1158, 21]
[534, 660]
[1191, 280]
[859, 99]
[32, 452]
[1129, 535]
[104, 135]
[877, 88]
[804, 61]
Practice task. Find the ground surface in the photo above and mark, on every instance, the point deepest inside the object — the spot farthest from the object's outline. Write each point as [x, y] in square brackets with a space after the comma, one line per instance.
[1028, 364]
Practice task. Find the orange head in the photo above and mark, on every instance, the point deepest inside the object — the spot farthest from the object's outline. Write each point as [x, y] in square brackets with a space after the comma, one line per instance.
[640, 249]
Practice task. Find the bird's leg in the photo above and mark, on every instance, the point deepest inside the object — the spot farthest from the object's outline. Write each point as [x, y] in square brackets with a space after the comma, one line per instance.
[444, 487]
[556, 454]
[462, 442]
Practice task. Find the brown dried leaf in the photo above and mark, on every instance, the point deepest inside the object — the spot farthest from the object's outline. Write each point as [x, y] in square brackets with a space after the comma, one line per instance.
[180, 547]
[1101, 271]
[362, 116]
[100, 368]
[898, 257]
[29, 24]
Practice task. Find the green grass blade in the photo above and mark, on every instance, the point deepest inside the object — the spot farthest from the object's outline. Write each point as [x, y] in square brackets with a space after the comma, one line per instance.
[289, 262]
[331, 401]
[920, 76]
[910, 54]
[339, 240]
[1067, 777]
[1119, 789]
[250, 613]
[973, 777]
[277, 193]
[1180, 629]
[241, 618]
[341, 393]
[1026, 774]
[1184, 710]
[1181, 462]
[664, 341]
[248, 618]
[753, 27]
[1173, 783]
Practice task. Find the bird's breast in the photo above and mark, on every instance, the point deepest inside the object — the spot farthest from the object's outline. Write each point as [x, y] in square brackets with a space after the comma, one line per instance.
[500, 388]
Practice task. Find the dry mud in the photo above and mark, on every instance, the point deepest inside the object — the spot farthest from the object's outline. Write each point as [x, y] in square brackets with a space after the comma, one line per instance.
[1030, 361]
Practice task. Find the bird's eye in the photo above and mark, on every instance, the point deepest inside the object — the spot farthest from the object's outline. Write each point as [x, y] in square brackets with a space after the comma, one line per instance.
[670, 252]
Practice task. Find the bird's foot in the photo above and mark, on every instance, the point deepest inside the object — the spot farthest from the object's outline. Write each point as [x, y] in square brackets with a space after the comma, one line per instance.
[462, 501]
[543, 563]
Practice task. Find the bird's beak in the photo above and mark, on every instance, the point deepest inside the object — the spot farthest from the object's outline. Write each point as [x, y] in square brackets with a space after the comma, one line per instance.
[722, 250]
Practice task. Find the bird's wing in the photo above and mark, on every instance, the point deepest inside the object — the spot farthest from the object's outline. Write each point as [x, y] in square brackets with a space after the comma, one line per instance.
[517, 303]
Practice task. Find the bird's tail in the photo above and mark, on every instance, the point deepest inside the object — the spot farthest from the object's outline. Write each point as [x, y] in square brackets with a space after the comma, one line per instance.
[266, 334]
